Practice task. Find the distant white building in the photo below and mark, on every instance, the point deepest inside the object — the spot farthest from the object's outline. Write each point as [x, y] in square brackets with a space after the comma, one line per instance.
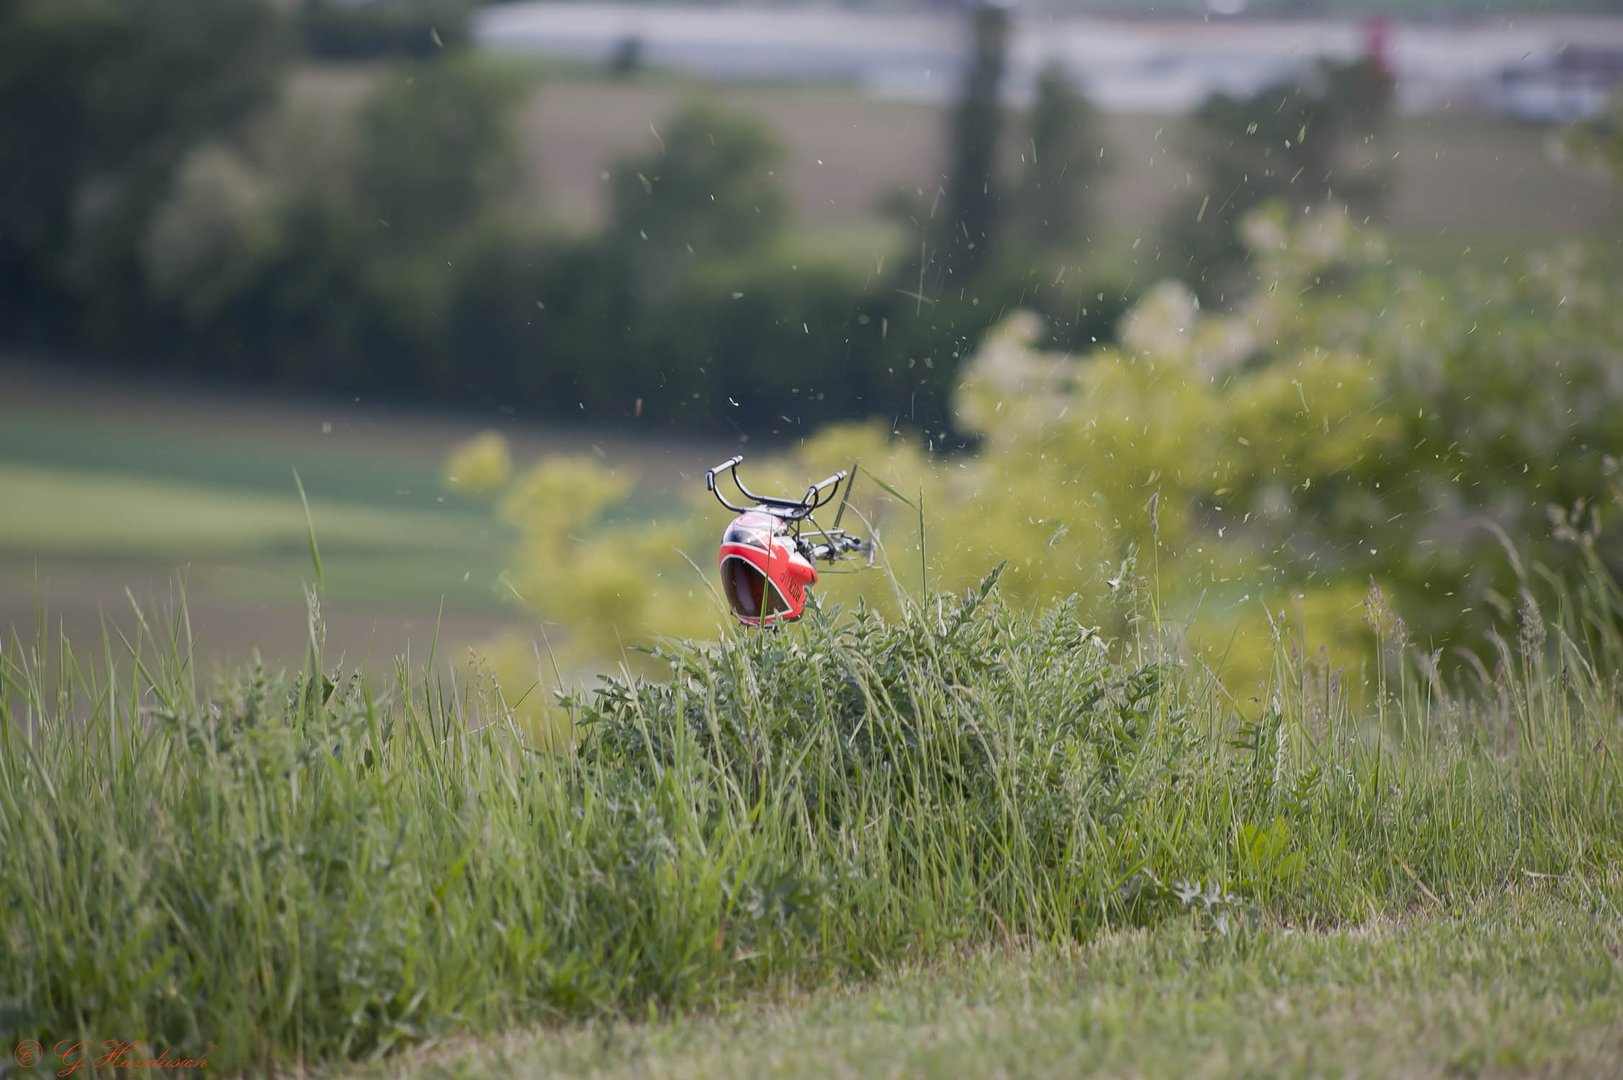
[1574, 84]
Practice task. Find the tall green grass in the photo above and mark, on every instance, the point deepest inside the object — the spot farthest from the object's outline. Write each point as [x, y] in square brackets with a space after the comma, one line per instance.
[312, 867]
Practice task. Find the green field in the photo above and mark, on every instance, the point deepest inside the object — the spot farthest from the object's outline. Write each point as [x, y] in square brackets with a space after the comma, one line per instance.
[107, 486]
[1457, 185]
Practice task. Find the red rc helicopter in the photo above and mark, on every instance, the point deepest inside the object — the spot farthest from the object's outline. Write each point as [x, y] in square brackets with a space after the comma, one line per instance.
[769, 551]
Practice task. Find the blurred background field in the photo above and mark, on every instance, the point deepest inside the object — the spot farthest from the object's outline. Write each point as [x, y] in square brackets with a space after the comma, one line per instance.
[1462, 188]
[343, 238]
[111, 484]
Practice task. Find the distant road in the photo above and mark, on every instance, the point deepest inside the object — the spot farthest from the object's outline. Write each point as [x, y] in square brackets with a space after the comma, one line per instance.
[1137, 65]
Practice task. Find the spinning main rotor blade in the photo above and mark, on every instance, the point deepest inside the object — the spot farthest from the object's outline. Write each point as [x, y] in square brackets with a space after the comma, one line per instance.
[851, 479]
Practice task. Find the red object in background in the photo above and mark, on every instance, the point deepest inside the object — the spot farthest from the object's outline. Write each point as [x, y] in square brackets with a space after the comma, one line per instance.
[1378, 42]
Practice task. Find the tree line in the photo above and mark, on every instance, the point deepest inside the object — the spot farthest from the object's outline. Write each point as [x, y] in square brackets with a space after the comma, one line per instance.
[168, 199]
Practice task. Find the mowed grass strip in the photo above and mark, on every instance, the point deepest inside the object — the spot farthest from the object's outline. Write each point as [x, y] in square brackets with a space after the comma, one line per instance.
[51, 510]
[1526, 983]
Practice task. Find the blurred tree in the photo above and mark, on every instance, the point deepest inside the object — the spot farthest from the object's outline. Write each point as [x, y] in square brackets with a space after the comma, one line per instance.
[1063, 163]
[710, 190]
[687, 310]
[761, 345]
[227, 218]
[342, 250]
[438, 150]
[1041, 264]
[1292, 141]
[102, 101]
[437, 160]
[626, 61]
[963, 232]
[936, 303]
[211, 232]
[413, 28]
[530, 321]
[302, 310]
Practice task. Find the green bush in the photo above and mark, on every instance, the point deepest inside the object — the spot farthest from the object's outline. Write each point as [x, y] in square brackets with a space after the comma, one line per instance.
[1302, 141]
[1343, 429]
